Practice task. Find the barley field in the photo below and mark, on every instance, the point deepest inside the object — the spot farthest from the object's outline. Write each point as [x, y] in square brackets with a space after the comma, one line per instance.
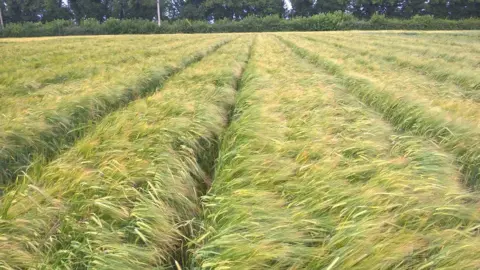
[321, 150]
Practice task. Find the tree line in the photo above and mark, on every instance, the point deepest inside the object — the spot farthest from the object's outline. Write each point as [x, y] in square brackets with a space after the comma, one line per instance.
[15, 11]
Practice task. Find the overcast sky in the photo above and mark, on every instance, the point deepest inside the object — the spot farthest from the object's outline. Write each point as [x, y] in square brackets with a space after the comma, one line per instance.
[288, 4]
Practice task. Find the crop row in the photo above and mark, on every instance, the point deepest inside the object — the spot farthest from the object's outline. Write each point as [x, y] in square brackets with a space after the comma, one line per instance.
[327, 158]
[124, 196]
[464, 76]
[443, 48]
[405, 113]
[402, 83]
[310, 178]
[34, 65]
[42, 123]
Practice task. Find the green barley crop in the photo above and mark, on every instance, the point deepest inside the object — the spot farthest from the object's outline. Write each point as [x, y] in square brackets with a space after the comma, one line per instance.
[403, 83]
[465, 77]
[464, 56]
[42, 111]
[309, 178]
[332, 150]
[406, 113]
[124, 196]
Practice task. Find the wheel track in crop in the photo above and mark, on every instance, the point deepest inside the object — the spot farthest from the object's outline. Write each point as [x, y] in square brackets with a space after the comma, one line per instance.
[207, 159]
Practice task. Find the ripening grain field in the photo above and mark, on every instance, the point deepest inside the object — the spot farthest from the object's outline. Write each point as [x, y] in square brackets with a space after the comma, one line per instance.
[329, 150]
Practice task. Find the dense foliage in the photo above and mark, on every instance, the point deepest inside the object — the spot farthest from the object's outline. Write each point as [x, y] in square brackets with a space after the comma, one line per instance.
[15, 11]
[321, 22]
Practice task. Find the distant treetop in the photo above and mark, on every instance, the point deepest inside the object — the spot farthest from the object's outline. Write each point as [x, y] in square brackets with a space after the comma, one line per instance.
[15, 11]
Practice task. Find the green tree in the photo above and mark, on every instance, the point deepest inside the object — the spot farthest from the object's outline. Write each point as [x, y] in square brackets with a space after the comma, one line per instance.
[97, 9]
[458, 9]
[173, 8]
[325, 6]
[391, 8]
[22, 10]
[239, 9]
[437, 8]
[193, 9]
[303, 8]
[55, 9]
[143, 9]
[411, 8]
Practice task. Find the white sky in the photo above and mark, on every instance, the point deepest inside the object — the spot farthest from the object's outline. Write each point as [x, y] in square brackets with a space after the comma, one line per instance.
[288, 4]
